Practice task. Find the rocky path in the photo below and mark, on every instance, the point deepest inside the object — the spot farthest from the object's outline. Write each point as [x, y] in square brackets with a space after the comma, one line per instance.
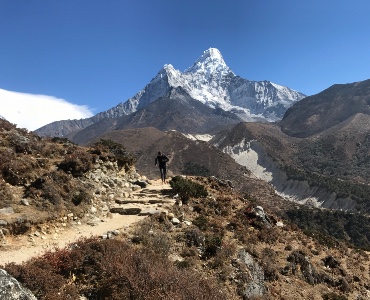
[124, 212]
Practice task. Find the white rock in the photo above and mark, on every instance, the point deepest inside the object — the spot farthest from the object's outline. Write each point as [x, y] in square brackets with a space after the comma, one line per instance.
[280, 224]
[175, 221]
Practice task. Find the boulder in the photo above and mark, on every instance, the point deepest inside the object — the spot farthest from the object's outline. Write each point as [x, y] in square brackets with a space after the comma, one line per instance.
[6, 211]
[119, 200]
[260, 213]
[11, 289]
[93, 221]
[308, 271]
[2, 238]
[255, 286]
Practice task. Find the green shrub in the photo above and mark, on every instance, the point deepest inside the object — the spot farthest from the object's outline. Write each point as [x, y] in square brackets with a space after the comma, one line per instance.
[212, 245]
[120, 154]
[358, 192]
[328, 226]
[187, 189]
[60, 140]
[201, 222]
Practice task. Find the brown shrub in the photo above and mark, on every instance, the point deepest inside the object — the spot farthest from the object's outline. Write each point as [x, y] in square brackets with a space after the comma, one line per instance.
[151, 237]
[269, 235]
[57, 191]
[42, 281]
[6, 195]
[224, 255]
[194, 237]
[111, 269]
[17, 170]
[270, 266]
[6, 125]
[77, 163]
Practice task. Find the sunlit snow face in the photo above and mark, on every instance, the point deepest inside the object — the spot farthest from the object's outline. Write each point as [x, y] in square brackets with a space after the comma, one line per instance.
[210, 81]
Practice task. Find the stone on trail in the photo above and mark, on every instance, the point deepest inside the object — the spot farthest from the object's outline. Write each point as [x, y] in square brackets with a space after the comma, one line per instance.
[6, 211]
[141, 183]
[125, 211]
[149, 212]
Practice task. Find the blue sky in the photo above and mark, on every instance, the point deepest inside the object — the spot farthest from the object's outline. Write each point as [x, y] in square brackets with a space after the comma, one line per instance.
[97, 54]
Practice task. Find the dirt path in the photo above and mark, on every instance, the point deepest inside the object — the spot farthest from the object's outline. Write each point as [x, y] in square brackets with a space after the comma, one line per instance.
[20, 249]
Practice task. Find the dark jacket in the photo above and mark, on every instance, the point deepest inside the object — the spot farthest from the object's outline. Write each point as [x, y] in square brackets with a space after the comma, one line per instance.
[161, 160]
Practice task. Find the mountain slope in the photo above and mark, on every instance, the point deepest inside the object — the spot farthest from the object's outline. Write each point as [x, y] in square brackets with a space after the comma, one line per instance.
[327, 109]
[174, 111]
[318, 154]
[186, 156]
[210, 81]
[220, 245]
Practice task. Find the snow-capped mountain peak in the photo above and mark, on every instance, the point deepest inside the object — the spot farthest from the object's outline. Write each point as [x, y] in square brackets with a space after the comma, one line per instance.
[167, 70]
[170, 77]
[208, 63]
[210, 81]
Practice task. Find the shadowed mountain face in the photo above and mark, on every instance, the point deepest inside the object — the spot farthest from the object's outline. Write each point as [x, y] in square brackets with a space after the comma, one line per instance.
[175, 111]
[327, 109]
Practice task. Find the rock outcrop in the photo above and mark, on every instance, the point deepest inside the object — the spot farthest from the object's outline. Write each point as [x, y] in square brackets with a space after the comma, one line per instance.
[11, 289]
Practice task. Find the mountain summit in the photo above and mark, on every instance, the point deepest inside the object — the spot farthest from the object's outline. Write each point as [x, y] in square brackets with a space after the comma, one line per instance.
[210, 62]
[210, 81]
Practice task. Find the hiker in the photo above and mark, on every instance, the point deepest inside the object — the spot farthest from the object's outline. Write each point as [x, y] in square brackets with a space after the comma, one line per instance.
[161, 161]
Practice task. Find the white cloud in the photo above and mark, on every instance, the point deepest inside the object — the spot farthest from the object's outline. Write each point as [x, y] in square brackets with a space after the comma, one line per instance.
[34, 111]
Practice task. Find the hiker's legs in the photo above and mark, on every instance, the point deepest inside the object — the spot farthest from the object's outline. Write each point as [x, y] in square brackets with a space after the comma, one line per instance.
[162, 174]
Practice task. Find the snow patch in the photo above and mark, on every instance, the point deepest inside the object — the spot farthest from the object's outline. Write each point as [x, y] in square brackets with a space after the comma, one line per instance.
[244, 155]
[198, 137]
[251, 155]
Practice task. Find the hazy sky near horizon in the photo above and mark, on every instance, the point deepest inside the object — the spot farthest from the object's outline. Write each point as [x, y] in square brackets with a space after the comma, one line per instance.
[93, 54]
